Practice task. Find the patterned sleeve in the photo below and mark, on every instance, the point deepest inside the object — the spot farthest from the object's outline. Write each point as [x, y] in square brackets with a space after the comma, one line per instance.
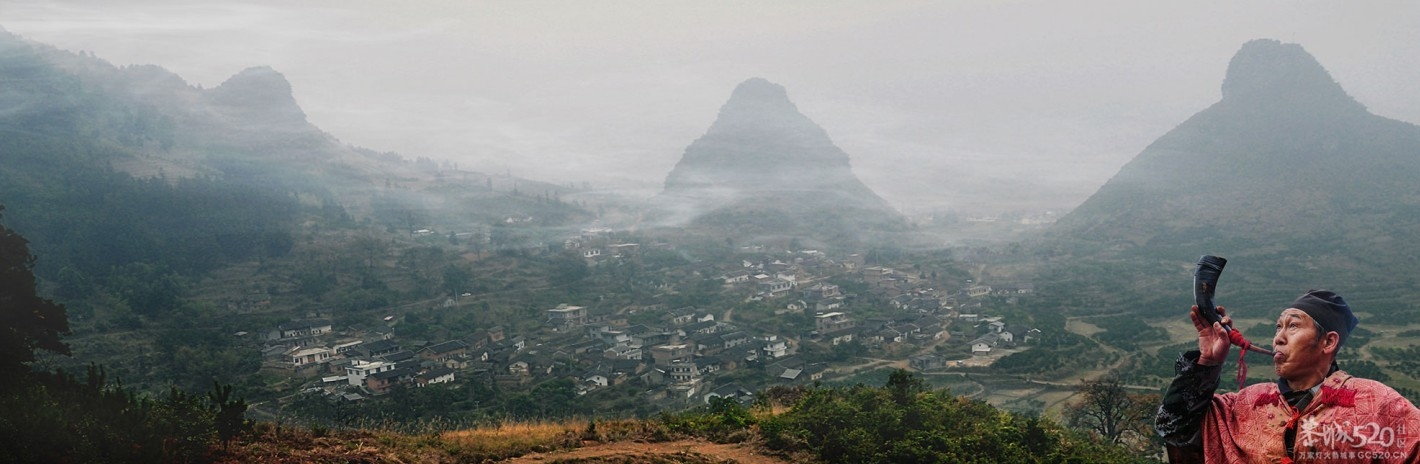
[1180, 417]
[1407, 427]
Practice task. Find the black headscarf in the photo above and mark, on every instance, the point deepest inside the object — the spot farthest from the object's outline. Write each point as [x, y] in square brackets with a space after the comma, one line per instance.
[1328, 309]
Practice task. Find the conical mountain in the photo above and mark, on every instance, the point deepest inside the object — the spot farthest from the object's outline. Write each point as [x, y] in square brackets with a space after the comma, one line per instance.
[1287, 173]
[763, 162]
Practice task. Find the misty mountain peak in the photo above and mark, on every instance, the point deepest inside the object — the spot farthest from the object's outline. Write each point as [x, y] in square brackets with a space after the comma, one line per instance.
[1286, 164]
[757, 89]
[1282, 75]
[758, 136]
[258, 81]
[261, 94]
[762, 154]
[759, 105]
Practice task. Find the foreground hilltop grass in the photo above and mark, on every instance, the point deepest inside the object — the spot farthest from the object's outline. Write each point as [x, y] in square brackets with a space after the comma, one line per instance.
[625, 441]
[899, 422]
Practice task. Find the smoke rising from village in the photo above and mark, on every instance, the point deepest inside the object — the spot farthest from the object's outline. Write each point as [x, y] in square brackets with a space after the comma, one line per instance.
[973, 106]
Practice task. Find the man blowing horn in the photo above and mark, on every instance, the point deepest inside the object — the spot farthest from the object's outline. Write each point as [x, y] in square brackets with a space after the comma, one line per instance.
[1314, 412]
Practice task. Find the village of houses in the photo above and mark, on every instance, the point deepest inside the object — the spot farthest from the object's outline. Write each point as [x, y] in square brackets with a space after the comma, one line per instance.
[678, 359]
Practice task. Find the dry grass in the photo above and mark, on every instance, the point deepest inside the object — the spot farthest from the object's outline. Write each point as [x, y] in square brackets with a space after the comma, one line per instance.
[270, 443]
[514, 438]
[489, 443]
[292, 445]
[1074, 324]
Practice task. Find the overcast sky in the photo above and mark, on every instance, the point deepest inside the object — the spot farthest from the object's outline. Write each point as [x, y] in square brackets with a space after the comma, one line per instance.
[964, 105]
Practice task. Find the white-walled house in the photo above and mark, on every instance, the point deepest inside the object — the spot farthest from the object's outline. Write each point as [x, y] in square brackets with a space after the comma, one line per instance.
[309, 328]
[358, 370]
[774, 347]
[302, 357]
[434, 376]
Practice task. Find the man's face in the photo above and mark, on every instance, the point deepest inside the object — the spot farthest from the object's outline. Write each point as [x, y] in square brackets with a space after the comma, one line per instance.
[1296, 345]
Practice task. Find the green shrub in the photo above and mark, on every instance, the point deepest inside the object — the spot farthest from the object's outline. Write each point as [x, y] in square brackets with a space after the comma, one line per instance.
[55, 417]
[723, 420]
[903, 422]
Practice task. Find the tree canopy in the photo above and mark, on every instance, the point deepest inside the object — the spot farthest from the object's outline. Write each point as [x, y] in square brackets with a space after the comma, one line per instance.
[28, 322]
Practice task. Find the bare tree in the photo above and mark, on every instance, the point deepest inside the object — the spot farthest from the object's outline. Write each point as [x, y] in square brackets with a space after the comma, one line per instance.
[1107, 408]
[372, 249]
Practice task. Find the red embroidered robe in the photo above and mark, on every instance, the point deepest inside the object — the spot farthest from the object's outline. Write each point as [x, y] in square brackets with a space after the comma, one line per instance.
[1351, 420]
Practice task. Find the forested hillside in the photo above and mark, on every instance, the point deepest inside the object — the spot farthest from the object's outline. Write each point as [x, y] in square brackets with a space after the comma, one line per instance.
[162, 211]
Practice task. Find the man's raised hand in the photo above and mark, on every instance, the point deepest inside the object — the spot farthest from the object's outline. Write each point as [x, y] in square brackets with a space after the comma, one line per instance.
[1213, 343]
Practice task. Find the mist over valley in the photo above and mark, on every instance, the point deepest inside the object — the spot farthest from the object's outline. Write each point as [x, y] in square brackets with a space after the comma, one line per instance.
[443, 218]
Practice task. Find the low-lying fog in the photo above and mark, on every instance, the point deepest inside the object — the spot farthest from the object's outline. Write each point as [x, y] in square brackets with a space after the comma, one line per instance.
[973, 106]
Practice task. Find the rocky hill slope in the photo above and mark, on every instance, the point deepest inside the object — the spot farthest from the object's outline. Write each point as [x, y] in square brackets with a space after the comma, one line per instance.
[1287, 175]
